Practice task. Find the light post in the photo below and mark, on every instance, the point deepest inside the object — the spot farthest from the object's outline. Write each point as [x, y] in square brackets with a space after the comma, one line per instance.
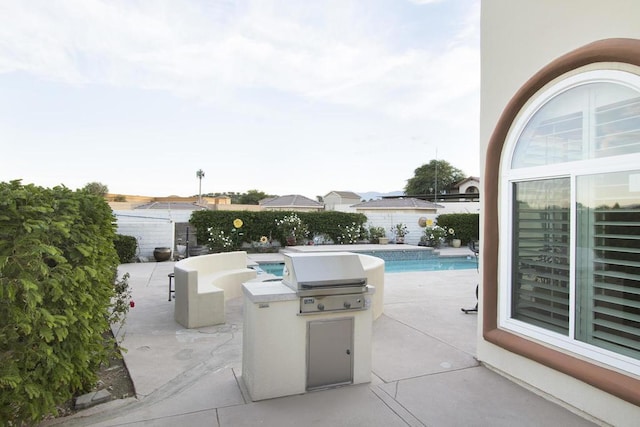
[435, 193]
[200, 175]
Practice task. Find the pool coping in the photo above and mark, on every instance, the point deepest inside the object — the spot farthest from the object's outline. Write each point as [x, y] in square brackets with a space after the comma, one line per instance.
[278, 257]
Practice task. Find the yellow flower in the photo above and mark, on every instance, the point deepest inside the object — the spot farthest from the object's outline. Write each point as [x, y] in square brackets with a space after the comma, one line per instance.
[429, 222]
[237, 223]
[264, 239]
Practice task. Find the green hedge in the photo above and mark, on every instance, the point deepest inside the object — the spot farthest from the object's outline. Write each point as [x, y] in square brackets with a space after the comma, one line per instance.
[466, 226]
[57, 271]
[126, 247]
[258, 224]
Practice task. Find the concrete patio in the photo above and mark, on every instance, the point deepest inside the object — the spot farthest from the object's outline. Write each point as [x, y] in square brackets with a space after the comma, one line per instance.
[424, 370]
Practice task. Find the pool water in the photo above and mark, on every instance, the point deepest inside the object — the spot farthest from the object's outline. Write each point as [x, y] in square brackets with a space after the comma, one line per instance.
[433, 264]
[403, 266]
[275, 268]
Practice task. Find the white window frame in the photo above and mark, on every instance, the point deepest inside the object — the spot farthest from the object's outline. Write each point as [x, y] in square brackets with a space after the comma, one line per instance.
[561, 170]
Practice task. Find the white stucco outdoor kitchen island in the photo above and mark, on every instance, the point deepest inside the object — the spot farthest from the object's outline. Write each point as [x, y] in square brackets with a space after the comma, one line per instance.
[286, 351]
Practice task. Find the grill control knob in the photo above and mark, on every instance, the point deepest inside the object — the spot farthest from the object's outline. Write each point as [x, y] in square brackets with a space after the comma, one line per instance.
[347, 304]
[320, 306]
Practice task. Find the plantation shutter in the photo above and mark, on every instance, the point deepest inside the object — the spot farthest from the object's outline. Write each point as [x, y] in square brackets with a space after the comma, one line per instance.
[540, 269]
[608, 262]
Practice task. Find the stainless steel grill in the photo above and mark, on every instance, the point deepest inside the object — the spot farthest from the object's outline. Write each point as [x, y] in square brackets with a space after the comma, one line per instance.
[332, 281]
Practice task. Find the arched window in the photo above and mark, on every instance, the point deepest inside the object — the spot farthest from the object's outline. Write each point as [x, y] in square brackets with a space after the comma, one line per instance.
[472, 190]
[570, 185]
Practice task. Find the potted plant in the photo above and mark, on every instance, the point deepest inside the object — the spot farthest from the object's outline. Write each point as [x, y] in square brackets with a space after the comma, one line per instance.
[378, 235]
[433, 236]
[451, 236]
[400, 230]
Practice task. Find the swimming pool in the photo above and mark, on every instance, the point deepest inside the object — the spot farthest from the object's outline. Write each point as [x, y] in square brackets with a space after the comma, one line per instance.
[433, 263]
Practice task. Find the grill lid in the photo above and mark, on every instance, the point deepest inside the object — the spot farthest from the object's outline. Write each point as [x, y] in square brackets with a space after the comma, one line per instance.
[328, 269]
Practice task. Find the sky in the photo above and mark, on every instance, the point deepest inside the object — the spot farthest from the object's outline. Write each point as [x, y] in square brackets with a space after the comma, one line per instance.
[283, 97]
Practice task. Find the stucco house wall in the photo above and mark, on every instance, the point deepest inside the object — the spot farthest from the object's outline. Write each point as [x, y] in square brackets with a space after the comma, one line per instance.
[519, 38]
[340, 201]
[470, 185]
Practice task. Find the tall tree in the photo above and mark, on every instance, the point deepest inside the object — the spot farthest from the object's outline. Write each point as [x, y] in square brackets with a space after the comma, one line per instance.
[435, 177]
[252, 197]
[97, 188]
[200, 175]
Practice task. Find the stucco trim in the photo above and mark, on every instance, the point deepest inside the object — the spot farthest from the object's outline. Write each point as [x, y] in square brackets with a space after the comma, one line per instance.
[613, 382]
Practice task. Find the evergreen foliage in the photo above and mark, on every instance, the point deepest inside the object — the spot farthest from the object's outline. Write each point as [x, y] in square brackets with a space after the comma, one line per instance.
[466, 226]
[437, 175]
[252, 197]
[97, 188]
[126, 247]
[57, 272]
[258, 224]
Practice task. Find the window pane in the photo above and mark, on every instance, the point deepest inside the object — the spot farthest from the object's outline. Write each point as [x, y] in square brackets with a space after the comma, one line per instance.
[541, 227]
[618, 128]
[588, 121]
[608, 261]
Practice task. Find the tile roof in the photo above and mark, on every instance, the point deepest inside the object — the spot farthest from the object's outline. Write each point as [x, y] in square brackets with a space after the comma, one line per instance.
[345, 194]
[291, 200]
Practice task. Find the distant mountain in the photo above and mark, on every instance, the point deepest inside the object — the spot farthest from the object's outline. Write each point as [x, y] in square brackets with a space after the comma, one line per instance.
[373, 195]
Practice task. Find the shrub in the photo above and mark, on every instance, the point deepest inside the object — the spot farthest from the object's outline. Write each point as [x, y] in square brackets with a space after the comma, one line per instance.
[375, 233]
[349, 233]
[126, 247]
[57, 271]
[292, 229]
[258, 224]
[466, 226]
[433, 236]
[219, 241]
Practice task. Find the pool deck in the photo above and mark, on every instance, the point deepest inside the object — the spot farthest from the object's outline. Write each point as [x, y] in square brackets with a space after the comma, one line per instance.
[424, 370]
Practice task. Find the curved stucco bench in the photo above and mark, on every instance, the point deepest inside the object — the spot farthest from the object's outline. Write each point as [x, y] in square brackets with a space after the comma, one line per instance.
[204, 283]
[374, 271]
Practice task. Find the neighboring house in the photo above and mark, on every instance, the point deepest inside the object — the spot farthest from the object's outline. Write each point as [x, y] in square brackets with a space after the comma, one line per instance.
[469, 200]
[560, 144]
[292, 202]
[459, 207]
[409, 211]
[125, 202]
[470, 185]
[341, 201]
[217, 200]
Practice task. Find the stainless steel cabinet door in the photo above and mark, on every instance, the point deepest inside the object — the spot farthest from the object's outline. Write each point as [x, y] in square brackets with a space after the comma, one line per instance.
[329, 352]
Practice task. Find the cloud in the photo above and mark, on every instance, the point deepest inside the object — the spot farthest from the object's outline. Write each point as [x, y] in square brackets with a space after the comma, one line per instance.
[218, 52]
[425, 1]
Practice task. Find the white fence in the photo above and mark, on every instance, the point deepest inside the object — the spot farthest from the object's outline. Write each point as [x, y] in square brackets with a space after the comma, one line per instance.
[152, 228]
[389, 220]
[156, 228]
